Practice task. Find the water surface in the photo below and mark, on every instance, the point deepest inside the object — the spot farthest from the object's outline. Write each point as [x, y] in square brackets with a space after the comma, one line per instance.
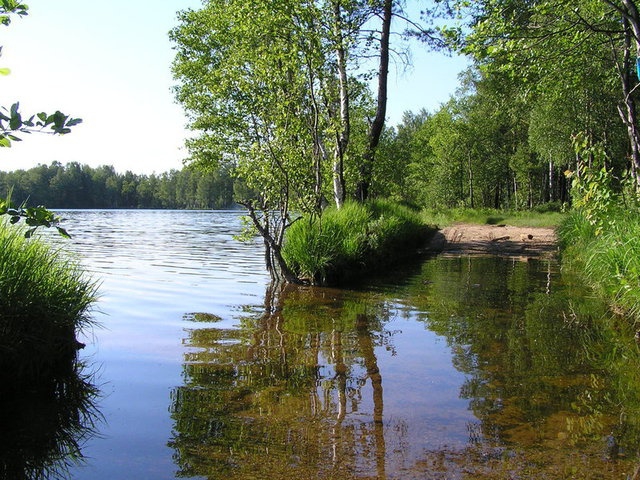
[454, 367]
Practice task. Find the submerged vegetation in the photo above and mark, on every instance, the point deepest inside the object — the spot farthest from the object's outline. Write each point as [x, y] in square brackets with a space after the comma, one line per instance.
[45, 301]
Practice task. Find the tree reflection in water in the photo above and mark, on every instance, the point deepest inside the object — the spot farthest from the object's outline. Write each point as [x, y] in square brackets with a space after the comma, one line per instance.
[280, 396]
[45, 421]
[295, 391]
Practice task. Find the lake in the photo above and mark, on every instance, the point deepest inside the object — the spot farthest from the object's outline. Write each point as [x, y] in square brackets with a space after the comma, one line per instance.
[448, 368]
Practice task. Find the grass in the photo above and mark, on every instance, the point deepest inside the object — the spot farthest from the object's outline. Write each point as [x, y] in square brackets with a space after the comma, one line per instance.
[45, 300]
[342, 245]
[524, 218]
[610, 261]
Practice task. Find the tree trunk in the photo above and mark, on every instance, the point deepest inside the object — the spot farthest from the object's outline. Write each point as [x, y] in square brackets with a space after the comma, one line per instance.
[274, 262]
[375, 130]
[342, 140]
[551, 197]
[472, 200]
[631, 27]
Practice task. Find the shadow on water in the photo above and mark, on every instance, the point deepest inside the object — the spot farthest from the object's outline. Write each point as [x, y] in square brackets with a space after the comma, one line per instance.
[545, 382]
[45, 423]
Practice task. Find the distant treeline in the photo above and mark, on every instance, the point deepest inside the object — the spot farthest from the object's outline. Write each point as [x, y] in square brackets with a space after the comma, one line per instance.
[81, 186]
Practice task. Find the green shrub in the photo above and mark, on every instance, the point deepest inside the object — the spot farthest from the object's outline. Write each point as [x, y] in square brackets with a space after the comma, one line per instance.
[342, 244]
[45, 300]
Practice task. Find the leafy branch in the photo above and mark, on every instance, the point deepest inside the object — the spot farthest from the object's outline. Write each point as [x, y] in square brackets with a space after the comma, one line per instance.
[11, 122]
[34, 217]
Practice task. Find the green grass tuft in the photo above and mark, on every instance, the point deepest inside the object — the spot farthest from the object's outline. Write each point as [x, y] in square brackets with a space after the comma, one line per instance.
[610, 261]
[342, 244]
[45, 300]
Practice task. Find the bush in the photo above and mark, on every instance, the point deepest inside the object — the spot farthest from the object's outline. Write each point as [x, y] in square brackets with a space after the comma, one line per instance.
[44, 301]
[342, 244]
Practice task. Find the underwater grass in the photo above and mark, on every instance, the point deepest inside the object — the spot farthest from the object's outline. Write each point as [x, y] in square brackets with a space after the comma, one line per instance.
[343, 243]
[610, 261]
[45, 300]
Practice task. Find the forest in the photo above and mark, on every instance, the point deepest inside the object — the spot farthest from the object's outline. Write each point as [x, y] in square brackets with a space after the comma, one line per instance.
[81, 186]
[548, 81]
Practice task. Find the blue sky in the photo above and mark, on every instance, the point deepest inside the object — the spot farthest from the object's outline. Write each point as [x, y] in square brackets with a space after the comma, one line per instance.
[109, 64]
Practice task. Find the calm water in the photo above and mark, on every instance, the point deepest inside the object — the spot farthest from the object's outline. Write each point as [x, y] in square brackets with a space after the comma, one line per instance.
[453, 368]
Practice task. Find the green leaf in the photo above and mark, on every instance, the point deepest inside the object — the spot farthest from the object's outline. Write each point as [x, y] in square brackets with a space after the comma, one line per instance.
[73, 122]
[63, 232]
[15, 122]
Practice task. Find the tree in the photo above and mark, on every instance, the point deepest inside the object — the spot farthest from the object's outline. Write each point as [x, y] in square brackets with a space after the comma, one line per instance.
[273, 89]
[569, 55]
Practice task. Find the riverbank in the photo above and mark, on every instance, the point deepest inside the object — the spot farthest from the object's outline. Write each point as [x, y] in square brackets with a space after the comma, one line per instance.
[478, 239]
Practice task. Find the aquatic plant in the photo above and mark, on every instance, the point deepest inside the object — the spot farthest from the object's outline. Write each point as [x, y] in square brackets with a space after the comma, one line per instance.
[45, 300]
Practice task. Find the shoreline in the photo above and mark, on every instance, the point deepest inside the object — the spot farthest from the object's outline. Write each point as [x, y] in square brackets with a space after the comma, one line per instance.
[476, 239]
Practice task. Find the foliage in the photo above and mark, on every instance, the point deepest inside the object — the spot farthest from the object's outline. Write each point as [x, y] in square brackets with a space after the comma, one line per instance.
[591, 186]
[251, 76]
[12, 121]
[279, 91]
[81, 186]
[45, 299]
[542, 72]
[567, 62]
[474, 151]
[34, 217]
[343, 243]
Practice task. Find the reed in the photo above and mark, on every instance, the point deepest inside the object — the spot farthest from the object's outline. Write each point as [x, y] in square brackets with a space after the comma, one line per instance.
[344, 243]
[45, 300]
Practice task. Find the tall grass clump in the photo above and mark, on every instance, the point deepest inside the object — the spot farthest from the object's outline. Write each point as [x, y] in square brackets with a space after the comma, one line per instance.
[45, 300]
[342, 244]
[609, 260]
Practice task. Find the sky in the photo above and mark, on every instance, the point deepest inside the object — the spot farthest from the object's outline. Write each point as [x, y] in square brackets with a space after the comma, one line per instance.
[109, 63]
